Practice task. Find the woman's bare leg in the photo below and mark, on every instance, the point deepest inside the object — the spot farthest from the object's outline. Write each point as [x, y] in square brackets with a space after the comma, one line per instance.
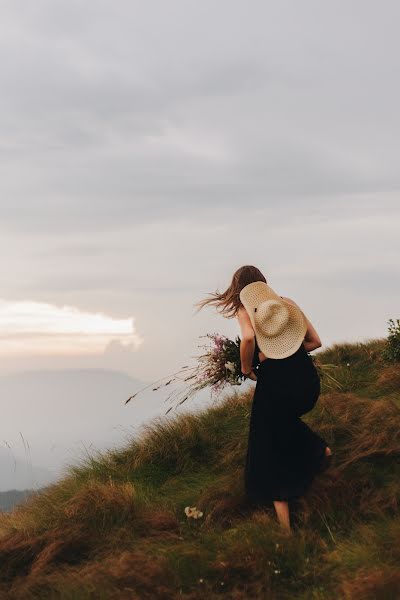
[328, 451]
[282, 512]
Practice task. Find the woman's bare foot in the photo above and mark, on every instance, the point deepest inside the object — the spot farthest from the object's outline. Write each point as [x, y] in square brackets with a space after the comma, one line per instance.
[282, 512]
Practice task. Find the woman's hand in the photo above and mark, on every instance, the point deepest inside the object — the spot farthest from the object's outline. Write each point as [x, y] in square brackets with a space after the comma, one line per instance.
[251, 375]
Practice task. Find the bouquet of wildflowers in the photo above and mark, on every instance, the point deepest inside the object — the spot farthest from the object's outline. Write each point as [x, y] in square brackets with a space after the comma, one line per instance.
[219, 366]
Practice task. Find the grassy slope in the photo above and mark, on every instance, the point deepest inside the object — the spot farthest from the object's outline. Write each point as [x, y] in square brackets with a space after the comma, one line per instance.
[116, 528]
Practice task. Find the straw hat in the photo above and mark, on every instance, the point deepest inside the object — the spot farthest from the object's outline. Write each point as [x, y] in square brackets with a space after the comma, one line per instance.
[279, 326]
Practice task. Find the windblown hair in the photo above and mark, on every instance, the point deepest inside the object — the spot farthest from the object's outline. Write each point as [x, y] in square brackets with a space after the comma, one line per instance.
[228, 302]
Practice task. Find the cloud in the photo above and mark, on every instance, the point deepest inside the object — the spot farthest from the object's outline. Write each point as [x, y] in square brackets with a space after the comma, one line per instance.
[42, 328]
[122, 117]
[144, 157]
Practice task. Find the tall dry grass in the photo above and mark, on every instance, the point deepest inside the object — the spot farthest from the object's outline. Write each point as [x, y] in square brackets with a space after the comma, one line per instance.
[115, 526]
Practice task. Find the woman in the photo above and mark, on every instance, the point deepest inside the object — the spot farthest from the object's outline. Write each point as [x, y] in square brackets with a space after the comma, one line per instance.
[283, 453]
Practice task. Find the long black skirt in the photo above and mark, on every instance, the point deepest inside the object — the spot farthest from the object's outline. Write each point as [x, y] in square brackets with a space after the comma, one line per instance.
[283, 453]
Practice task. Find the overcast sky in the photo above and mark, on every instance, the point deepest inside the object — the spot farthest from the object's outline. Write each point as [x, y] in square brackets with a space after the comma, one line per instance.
[149, 149]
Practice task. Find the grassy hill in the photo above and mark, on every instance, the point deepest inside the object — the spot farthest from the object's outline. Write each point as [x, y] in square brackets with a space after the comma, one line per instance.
[115, 527]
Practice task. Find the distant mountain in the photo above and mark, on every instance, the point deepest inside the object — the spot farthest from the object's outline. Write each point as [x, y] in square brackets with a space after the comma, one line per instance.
[50, 418]
[17, 474]
[10, 499]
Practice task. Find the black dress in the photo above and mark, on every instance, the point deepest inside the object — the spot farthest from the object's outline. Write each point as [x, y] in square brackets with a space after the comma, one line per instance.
[283, 453]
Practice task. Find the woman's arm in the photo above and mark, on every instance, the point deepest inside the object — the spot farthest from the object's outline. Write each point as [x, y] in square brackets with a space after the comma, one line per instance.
[311, 338]
[247, 340]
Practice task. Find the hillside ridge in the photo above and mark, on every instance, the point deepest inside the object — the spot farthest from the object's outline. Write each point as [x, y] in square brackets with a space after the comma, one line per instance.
[115, 526]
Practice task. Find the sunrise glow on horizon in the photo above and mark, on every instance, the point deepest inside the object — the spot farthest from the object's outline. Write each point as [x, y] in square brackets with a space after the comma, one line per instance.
[37, 328]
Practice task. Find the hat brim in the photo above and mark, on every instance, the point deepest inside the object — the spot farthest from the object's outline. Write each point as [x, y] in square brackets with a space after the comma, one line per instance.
[291, 338]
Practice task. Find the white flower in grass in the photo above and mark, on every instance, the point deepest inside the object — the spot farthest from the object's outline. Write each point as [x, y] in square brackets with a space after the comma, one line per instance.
[192, 512]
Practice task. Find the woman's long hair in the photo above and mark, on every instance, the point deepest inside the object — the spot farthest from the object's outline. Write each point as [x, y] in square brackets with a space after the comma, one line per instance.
[228, 302]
